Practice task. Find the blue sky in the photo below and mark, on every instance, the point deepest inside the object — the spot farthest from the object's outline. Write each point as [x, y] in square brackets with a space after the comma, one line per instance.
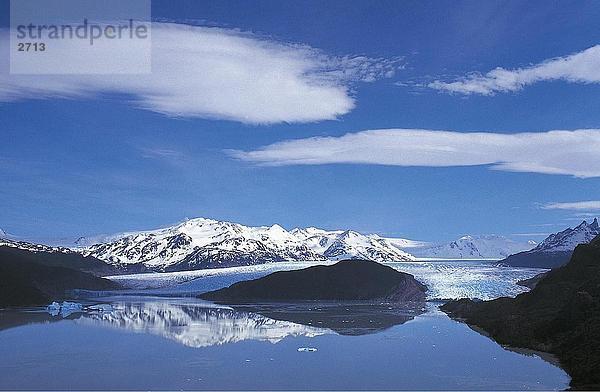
[112, 159]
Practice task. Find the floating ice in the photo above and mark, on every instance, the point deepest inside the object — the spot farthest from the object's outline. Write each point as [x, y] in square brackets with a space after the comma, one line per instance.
[100, 308]
[307, 349]
[65, 309]
[53, 309]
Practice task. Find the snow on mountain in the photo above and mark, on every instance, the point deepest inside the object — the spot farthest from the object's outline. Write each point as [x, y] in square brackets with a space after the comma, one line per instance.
[567, 240]
[33, 247]
[348, 244]
[469, 247]
[556, 249]
[206, 243]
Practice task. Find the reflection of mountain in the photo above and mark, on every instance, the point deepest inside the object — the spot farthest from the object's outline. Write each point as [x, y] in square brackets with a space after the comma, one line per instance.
[343, 318]
[195, 325]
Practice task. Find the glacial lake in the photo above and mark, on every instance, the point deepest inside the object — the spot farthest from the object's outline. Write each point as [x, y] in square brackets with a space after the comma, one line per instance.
[171, 341]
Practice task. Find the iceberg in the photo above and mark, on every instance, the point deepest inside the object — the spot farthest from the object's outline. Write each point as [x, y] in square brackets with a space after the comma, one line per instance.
[65, 309]
[100, 308]
[306, 349]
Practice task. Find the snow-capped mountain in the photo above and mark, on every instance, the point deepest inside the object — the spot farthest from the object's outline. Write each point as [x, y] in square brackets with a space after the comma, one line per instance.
[206, 243]
[349, 244]
[470, 247]
[557, 248]
[568, 239]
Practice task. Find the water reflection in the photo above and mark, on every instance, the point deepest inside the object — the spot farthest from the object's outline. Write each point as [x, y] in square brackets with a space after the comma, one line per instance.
[196, 323]
[433, 352]
[343, 318]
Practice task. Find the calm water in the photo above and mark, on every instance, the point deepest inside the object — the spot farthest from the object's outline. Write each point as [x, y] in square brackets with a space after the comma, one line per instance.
[183, 343]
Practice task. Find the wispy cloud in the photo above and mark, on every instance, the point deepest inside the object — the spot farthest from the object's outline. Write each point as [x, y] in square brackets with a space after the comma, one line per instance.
[161, 153]
[581, 67]
[555, 152]
[590, 205]
[530, 234]
[218, 73]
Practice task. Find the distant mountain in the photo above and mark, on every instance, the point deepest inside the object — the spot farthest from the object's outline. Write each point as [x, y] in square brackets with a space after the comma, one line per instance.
[205, 243]
[557, 248]
[470, 247]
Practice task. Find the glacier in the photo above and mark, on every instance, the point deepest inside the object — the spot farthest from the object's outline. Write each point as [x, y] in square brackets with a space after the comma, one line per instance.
[451, 279]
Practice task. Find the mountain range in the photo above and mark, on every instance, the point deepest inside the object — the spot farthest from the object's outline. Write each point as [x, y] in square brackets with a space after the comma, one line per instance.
[205, 243]
[471, 247]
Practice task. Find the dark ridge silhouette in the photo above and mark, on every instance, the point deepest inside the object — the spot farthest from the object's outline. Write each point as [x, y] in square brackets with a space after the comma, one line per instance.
[530, 259]
[561, 315]
[532, 282]
[73, 260]
[27, 283]
[348, 280]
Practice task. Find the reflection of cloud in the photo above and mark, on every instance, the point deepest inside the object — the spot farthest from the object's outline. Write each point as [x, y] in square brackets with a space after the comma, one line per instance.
[195, 325]
[216, 73]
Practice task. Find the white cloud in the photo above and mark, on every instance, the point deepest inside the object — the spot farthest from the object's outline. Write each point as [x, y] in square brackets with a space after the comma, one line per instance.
[581, 67]
[589, 205]
[217, 73]
[573, 153]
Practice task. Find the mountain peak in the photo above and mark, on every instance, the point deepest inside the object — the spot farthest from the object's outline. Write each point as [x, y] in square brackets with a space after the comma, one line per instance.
[567, 240]
[582, 225]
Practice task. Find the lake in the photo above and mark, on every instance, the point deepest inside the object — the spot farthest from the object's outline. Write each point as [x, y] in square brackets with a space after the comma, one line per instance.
[179, 342]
